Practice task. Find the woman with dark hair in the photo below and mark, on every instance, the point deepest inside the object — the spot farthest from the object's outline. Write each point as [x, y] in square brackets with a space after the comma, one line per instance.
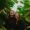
[20, 25]
[11, 21]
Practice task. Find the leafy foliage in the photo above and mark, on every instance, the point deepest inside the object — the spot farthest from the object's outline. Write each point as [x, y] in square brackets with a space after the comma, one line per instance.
[9, 3]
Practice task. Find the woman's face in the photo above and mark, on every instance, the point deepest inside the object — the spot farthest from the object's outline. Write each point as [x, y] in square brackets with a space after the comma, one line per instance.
[11, 13]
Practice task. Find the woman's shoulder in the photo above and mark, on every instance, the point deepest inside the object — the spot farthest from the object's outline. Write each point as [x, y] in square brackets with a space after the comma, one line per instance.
[22, 22]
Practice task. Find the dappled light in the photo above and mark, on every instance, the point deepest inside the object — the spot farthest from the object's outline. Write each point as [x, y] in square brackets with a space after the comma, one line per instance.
[19, 10]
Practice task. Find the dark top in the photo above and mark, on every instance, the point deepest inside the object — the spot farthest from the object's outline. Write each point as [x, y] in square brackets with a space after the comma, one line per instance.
[11, 23]
[20, 26]
[12, 20]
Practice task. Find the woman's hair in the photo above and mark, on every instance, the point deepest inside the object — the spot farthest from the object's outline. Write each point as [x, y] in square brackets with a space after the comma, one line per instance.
[18, 17]
[18, 14]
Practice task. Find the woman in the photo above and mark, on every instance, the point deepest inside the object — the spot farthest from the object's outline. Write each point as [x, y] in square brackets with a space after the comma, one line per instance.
[11, 21]
[19, 23]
